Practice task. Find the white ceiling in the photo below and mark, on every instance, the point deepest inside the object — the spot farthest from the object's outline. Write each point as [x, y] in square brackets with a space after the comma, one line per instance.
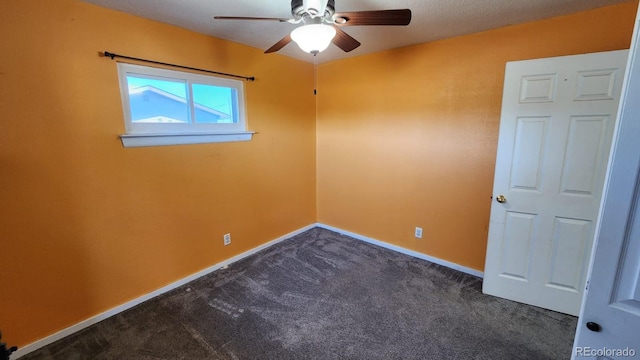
[432, 19]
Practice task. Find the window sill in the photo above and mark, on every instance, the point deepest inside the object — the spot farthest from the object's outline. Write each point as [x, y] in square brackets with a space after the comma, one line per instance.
[141, 140]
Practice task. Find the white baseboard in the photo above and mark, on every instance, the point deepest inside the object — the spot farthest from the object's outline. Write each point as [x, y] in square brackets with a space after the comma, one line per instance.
[405, 251]
[128, 305]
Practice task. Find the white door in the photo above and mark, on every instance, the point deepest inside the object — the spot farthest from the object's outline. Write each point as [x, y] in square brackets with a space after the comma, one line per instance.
[556, 127]
[612, 301]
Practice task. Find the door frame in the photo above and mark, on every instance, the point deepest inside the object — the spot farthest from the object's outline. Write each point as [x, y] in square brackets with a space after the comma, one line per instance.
[622, 182]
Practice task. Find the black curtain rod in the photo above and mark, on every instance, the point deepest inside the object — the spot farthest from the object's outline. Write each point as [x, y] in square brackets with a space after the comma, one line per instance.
[112, 56]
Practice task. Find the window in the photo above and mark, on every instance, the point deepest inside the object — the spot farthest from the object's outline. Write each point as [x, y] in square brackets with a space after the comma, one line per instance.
[167, 107]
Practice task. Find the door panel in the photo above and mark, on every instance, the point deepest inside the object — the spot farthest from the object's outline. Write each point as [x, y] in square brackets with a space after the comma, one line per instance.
[568, 255]
[538, 88]
[519, 231]
[627, 294]
[528, 152]
[596, 85]
[555, 136]
[584, 155]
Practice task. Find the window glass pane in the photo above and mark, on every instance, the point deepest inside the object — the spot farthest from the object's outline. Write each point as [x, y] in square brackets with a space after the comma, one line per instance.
[214, 104]
[157, 100]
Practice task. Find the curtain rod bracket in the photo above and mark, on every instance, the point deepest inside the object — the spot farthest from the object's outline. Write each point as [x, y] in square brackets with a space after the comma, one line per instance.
[114, 55]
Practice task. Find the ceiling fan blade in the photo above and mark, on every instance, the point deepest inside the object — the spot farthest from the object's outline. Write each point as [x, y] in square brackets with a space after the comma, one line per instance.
[279, 45]
[344, 41]
[375, 17]
[250, 18]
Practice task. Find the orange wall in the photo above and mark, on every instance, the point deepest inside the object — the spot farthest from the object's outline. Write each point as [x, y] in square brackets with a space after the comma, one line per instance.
[85, 224]
[408, 137]
[405, 138]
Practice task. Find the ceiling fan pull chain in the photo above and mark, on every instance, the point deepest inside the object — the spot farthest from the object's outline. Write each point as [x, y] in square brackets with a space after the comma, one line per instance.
[315, 73]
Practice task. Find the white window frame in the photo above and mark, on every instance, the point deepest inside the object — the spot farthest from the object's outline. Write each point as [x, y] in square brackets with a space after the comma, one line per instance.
[154, 134]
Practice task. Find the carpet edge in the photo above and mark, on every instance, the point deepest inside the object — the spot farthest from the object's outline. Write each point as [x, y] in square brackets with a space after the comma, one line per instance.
[130, 304]
[405, 251]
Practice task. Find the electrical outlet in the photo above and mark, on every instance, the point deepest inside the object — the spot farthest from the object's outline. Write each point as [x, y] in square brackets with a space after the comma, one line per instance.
[418, 233]
[227, 239]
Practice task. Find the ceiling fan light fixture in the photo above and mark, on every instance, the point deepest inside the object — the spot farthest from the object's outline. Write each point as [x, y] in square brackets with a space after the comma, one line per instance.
[313, 38]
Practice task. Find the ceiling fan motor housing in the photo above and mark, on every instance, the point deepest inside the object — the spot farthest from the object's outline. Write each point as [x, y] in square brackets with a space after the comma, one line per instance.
[298, 9]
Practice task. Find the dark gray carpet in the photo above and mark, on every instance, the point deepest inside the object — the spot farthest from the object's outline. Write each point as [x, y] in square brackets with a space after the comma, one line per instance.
[321, 295]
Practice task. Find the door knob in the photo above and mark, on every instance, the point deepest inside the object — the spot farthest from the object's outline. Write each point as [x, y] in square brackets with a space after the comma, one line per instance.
[501, 199]
[593, 326]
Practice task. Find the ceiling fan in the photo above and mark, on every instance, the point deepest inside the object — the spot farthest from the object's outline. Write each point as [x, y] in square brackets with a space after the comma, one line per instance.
[322, 24]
